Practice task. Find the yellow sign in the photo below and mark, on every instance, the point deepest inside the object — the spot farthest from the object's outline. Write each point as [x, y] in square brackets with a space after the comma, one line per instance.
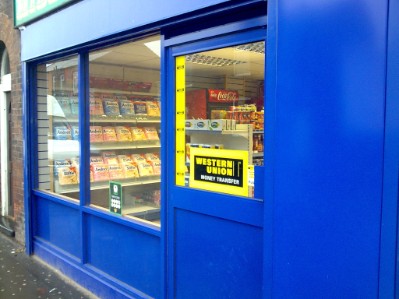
[180, 132]
[219, 170]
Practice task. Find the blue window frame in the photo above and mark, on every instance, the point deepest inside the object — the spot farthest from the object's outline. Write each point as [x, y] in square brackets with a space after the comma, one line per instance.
[91, 222]
[80, 79]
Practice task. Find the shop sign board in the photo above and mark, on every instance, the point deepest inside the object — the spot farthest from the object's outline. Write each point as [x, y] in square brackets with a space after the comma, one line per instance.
[219, 170]
[26, 11]
[115, 197]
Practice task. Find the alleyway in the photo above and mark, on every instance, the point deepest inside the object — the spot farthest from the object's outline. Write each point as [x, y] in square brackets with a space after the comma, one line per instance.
[24, 277]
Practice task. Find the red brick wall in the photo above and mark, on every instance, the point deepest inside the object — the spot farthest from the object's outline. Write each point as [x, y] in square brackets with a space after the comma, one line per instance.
[11, 38]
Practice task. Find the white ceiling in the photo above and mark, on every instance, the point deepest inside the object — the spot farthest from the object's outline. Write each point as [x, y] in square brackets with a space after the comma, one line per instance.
[136, 54]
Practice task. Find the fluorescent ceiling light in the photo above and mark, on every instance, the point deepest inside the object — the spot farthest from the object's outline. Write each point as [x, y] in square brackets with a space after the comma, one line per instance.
[212, 60]
[258, 47]
[155, 47]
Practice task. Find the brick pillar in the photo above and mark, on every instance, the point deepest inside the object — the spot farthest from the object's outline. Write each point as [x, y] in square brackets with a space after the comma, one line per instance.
[11, 38]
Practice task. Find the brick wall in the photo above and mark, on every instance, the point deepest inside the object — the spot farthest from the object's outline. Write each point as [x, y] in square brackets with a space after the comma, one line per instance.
[6, 7]
[11, 38]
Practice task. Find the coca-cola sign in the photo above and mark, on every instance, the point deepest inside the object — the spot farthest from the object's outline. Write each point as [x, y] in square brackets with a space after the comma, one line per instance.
[225, 96]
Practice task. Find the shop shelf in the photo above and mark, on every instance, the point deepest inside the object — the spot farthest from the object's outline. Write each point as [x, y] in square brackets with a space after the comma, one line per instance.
[116, 91]
[124, 145]
[143, 181]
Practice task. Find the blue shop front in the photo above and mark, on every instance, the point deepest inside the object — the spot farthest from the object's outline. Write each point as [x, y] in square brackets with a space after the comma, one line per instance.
[213, 149]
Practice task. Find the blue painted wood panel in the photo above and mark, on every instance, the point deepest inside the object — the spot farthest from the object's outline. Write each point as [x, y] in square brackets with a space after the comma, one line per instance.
[214, 240]
[327, 123]
[112, 17]
[58, 224]
[389, 282]
[329, 136]
[215, 258]
[130, 256]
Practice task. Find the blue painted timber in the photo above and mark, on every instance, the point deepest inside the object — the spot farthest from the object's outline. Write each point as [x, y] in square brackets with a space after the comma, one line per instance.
[329, 146]
[215, 241]
[212, 262]
[112, 17]
[128, 255]
[328, 225]
[389, 282]
[51, 219]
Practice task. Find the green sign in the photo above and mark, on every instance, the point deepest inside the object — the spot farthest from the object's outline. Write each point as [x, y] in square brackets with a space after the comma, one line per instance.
[115, 198]
[28, 10]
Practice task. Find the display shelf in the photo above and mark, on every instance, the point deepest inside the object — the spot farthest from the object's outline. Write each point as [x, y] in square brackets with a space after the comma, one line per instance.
[142, 211]
[122, 119]
[149, 120]
[243, 133]
[63, 149]
[125, 145]
[108, 119]
[125, 92]
[143, 181]
[240, 139]
[65, 119]
[57, 113]
[138, 208]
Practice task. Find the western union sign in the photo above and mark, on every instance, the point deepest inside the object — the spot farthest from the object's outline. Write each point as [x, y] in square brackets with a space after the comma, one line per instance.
[224, 171]
[219, 170]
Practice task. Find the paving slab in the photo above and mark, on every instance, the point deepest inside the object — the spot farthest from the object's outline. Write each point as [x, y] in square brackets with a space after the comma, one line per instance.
[27, 277]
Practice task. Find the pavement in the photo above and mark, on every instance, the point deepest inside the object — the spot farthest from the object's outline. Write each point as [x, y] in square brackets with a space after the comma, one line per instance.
[27, 277]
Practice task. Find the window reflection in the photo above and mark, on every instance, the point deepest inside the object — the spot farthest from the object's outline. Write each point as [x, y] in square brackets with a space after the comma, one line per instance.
[58, 127]
[124, 128]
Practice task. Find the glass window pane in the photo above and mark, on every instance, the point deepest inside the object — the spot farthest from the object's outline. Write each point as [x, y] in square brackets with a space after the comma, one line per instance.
[219, 118]
[58, 133]
[125, 128]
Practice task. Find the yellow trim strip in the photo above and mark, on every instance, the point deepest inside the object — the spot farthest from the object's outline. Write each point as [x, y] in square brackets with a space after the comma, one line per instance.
[180, 120]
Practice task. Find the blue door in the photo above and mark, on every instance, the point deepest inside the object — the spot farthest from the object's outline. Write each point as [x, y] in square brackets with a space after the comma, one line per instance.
[214, 216]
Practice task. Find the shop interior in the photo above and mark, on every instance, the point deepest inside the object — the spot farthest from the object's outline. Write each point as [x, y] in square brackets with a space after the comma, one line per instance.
[224, 109]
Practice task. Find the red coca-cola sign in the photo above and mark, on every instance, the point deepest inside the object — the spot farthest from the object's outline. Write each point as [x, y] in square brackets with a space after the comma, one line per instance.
[224, 96]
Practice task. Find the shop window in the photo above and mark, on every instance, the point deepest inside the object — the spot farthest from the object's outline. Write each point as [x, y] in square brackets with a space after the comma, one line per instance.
[58, 133]
[124, 128]
[220, 118]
